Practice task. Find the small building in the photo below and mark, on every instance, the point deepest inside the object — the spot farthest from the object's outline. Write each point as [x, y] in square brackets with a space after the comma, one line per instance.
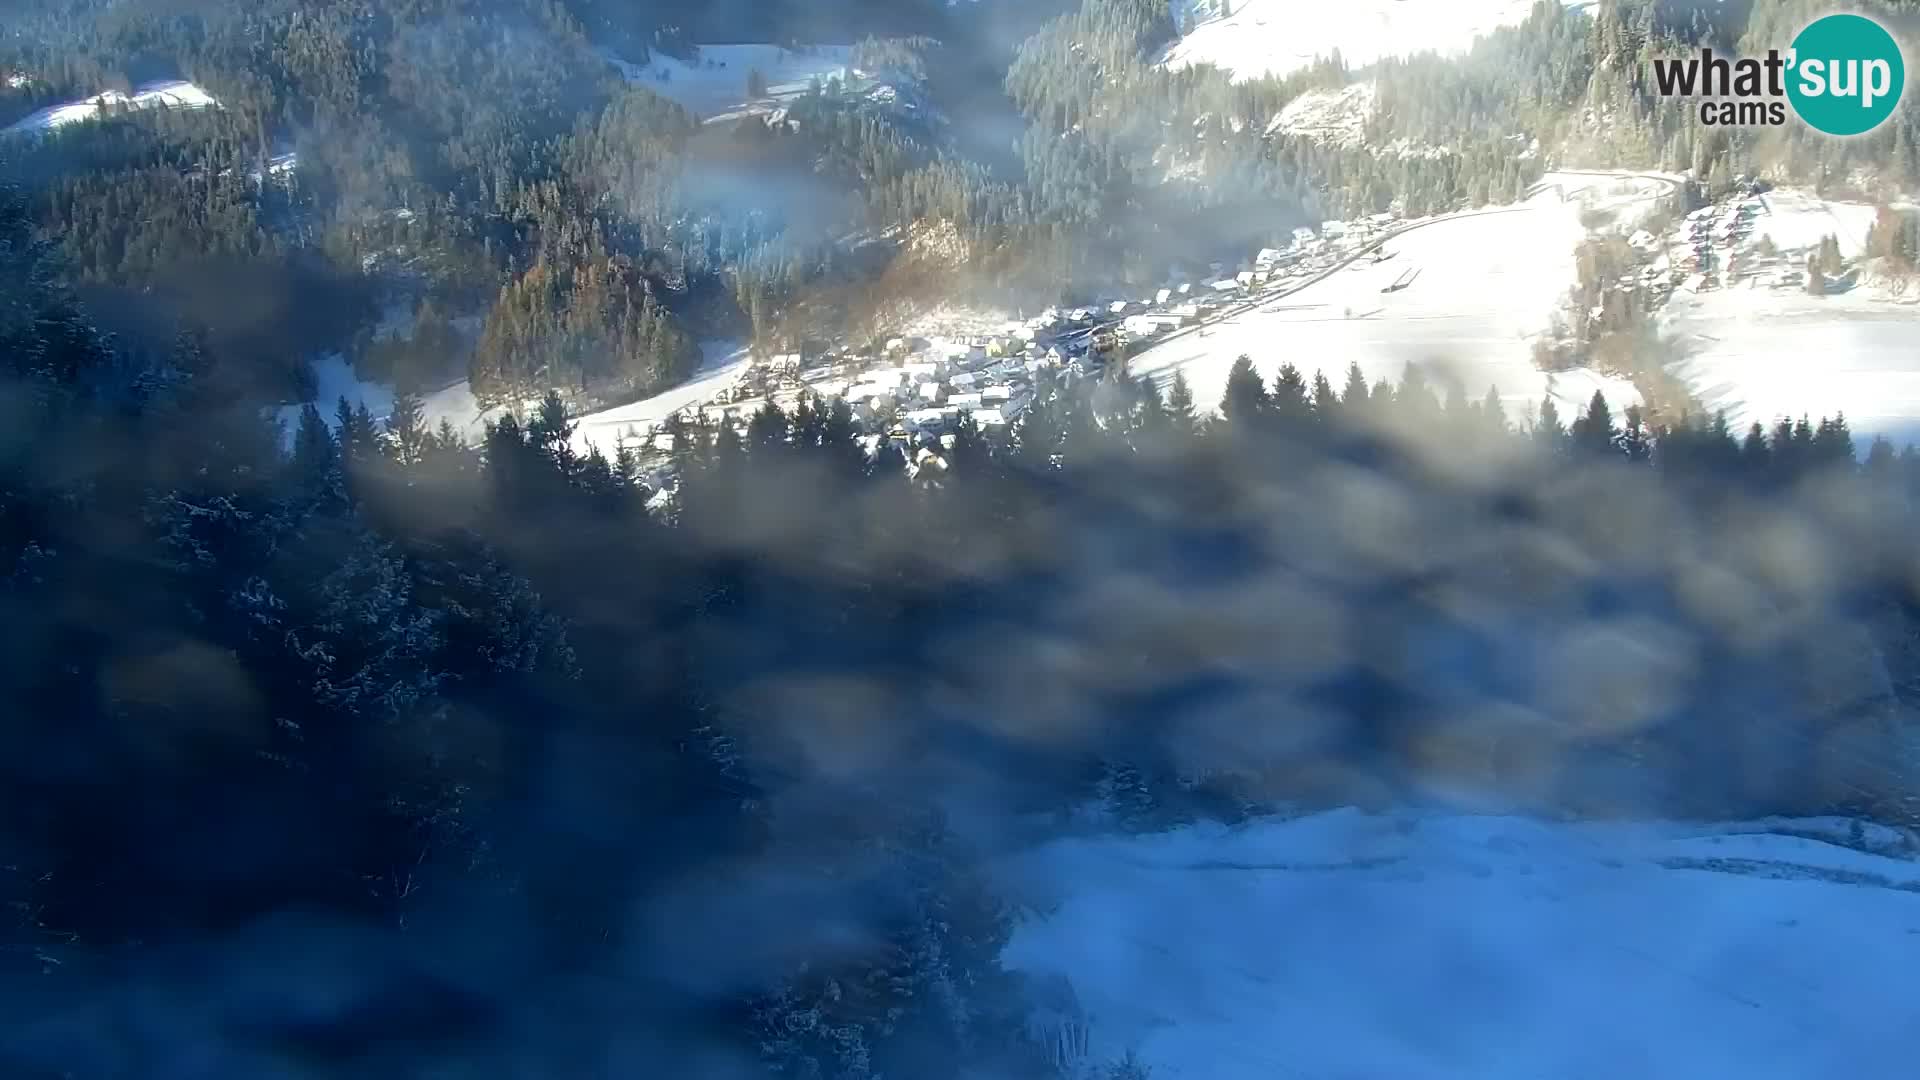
[1163, 296]
[1303, 236]
[925, 420]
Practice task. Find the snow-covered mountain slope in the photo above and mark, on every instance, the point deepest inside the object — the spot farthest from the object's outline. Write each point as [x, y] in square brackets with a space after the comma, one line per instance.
[1424, 947]
[176, 95]
[1276, 37]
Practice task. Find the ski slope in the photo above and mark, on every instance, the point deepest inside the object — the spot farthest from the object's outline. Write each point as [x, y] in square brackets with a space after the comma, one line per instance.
[176, 95]
[1261, 38]
[1359, 947]
[1488, 285]
[714, 87]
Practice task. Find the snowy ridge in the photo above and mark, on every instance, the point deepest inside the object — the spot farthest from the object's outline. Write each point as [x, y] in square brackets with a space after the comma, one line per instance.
[1420, 946]
[176, 95]
[1277, 37]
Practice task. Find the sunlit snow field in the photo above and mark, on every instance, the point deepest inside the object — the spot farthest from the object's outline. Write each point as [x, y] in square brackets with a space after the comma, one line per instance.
[1346, 946]
[176, 95]
[1762, 353]
[1488, 285]
[1276, 37]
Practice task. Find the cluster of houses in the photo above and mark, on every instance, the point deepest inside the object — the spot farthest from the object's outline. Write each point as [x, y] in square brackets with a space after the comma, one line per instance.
[1310, 251]
[1718, 249]
[916, 390]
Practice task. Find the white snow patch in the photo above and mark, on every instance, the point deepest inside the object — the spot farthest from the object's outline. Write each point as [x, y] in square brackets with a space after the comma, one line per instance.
[1797, 221]
[714, 87]
[1278, 37]
[1336, 117]
[1478, 948]
[1487, 285]
[175, 95]
[725, 363]
[1765, 354]
[455, 403]
[334, 379]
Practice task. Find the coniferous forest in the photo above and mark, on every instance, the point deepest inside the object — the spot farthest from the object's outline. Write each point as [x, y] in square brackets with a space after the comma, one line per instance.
[364, 750]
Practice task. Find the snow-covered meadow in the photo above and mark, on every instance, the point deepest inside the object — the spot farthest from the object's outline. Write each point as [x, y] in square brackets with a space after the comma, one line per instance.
[1408, 947]
[1277, 37]
[724, 364]
[1765, 353]
[173, 95]
[714, 87]
[1488, 285]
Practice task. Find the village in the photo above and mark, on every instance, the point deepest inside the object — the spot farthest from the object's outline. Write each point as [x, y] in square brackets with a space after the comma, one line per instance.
[1716, 247]
[913, 391]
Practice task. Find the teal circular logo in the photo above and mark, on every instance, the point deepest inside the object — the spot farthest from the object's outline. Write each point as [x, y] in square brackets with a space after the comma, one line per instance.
[1846, 74]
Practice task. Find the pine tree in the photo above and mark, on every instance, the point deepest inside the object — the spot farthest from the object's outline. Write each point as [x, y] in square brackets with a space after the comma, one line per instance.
[1180, 408]
[1354, 394]
[1594, 435]
[407, 429]
[1635, 440]
[1493, 414]
[1548, 431]
[1326, 405]
[1245, 399]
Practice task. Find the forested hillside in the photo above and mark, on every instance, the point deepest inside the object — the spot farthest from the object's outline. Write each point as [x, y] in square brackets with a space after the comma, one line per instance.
[489, 161]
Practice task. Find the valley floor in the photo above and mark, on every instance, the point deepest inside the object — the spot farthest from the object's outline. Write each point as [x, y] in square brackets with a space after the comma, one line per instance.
[1485, 286]
[1346, 945]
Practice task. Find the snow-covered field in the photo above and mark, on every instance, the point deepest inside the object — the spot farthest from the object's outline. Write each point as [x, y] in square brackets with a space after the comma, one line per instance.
[1764, 353]
[1351, 946]
[725, 363]
[1488, 285]
[715, 86]
[175, 95]
[1277, 37]
[334, 380]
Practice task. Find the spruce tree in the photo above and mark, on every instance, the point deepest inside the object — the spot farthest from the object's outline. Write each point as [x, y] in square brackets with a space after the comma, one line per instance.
[1180, 407]
[1245, 399]
[1593, 434]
